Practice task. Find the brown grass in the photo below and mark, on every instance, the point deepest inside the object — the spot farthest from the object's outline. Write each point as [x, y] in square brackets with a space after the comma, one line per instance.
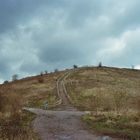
[110, 90]
[31, 92]
[118, 86]
[11, 119]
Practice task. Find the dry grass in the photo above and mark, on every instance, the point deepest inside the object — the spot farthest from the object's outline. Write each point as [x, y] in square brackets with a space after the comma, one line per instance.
[12, 119]
[118, 86]
[124, 126]
[31, 92]
[109, 90]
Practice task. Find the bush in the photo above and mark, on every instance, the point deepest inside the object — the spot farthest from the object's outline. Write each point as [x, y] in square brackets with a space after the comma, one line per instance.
[46, 72]
[100, 64]
[75, 66]
[41, 73]
[6, 82]
[40, 79]
[14, 77]
[56, 70]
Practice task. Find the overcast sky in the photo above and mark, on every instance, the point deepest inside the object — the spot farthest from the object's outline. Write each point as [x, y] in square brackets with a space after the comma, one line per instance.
[38, 35]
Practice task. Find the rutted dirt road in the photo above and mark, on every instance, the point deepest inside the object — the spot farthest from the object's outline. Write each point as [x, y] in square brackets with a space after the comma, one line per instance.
[61, 125]
[64, 123]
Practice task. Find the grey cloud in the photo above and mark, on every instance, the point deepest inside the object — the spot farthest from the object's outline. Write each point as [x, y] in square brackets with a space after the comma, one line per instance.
[124, 17]
[80, 11]
[14, 12]
[3, 67]
[61, 52]
[31, 67]
[49, 34]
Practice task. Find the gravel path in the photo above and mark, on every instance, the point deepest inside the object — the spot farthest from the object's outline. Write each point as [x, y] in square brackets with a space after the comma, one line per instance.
[64, 123]
[61, 125]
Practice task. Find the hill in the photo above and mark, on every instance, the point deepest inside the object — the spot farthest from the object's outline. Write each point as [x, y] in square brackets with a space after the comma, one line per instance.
[107, 83]
[27, 92]
[111, 94]
[113, 97]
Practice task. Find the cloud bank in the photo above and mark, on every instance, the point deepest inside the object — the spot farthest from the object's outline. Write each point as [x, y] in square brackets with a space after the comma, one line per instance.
[44, 35]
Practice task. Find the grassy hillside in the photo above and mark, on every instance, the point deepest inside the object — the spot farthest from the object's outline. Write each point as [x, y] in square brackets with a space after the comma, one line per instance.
[28, 92]
[33, 91]
[113, 96]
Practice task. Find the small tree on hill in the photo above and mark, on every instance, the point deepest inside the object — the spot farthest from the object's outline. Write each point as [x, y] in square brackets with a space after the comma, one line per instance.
[100, 64]
[41, 73]
[56, 70]
[75, 66]
[14, 77]
[6, 82]
[46, 72]
[133, 67]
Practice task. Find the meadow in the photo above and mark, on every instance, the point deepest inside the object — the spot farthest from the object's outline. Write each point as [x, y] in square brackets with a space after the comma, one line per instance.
[15, 123]
[112, 95]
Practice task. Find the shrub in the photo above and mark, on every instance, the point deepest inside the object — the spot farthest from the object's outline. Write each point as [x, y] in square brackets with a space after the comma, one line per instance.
[40, 79]
[100, 64]
[14, 77]
[6, 82]
[46, 72]
[75, 66]
[41, 73]
[56, 70]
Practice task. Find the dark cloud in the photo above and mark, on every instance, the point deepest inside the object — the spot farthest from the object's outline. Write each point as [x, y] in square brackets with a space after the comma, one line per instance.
[60, 52]
[32, 67]
[15, 12]
[49, 34]
[79, 12]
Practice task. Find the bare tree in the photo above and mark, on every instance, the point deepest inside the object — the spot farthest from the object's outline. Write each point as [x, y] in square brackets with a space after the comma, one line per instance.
[14, 77]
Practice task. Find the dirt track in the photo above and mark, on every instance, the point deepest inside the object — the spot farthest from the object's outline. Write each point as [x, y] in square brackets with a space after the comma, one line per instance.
[64, 123]
[61, 125]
